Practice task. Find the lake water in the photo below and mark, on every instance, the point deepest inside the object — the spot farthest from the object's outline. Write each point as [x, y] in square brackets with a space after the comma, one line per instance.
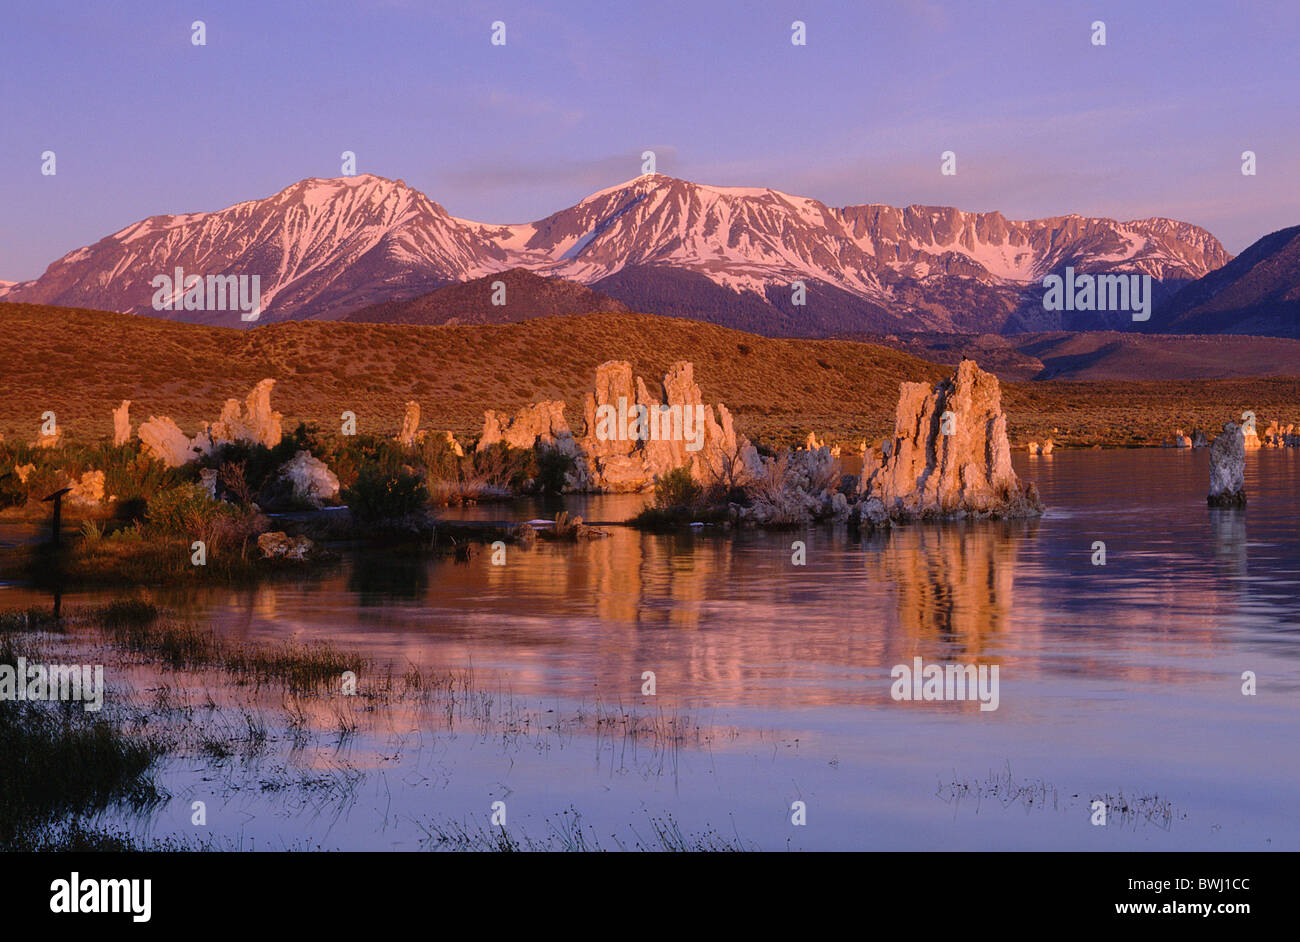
[1120, 682]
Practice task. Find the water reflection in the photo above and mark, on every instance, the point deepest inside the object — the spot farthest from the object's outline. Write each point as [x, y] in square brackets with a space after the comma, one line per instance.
[953, 583]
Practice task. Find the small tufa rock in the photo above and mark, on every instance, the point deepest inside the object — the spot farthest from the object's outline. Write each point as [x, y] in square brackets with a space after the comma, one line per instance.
[455, 446]
[87, 491]
[410, 424]
[208, 481]
[122, 423]
[279, 545]
[313, 482]
[164, 440]
[1228, 468]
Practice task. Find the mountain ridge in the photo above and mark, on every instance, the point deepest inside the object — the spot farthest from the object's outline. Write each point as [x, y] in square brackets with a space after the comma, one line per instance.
[324, 247]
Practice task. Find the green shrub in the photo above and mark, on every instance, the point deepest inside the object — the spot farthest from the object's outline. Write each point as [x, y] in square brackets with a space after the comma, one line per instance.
[440, 461]
[553, 466]
[13, 492]
[677, 489]
[503, 466]
[379, 496]
[187, 511]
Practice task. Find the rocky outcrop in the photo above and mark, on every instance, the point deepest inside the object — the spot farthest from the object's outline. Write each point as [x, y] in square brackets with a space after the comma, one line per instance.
[122, 423]
[949, 455]
[1279, 436]
[1250, 437]
[88, 490]
[1228, 468]
[253, 422]
[410, 424]
[633, 436]
[279, 545]
[163, 439]
[1042, 448]
[313, 483]
[1198, 439]
[541, 423]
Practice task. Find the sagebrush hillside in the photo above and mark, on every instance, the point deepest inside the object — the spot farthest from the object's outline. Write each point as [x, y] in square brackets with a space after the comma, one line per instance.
[80, 364]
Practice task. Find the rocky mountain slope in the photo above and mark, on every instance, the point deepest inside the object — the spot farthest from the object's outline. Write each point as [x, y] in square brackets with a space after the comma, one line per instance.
[1258, 292]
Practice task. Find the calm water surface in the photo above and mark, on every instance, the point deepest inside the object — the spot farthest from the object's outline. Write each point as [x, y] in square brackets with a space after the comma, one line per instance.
[1122, 680]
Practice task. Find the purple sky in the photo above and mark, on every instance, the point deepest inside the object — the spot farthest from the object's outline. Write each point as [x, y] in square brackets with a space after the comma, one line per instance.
[1043, 122]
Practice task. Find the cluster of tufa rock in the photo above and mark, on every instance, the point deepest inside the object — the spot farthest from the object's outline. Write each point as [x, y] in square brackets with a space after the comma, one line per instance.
[632, 436]
[411, 433]
[253, 421]
[949, 456]
[1181, 439]
[1275, 436]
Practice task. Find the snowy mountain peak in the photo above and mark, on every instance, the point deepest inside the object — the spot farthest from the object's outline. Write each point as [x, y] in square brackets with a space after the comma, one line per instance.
[326, 246]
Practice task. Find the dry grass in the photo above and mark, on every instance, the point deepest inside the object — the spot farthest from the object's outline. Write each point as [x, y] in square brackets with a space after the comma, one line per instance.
[81, 364]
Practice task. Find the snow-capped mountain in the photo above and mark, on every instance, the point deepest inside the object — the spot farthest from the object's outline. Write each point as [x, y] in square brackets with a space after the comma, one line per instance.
[323, 248]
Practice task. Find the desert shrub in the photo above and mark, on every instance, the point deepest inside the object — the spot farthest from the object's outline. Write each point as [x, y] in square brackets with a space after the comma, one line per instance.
[378, 496]
[503, 466]
[187, 511]
[131, 475]
[677, 488]
[347, 455]
[441, 463]
[13, 492]
[257, 465]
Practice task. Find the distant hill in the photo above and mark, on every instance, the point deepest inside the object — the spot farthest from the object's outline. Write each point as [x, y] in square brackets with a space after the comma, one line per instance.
[1258, 292]
[526, 296]
[81, 363]
[1105, 355]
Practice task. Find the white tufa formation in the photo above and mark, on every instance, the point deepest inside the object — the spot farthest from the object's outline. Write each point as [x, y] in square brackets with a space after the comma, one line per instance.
[410, 424]
[122, 423]
[1228, 468]
[949, 456]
